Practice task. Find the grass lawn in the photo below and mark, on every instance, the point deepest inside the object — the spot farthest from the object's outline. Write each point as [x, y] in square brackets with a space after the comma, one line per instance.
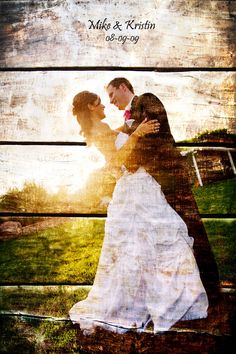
[24, 336]
[217, 198]
[221, 234]
[53, 301]
[55, 267]
[67, 253]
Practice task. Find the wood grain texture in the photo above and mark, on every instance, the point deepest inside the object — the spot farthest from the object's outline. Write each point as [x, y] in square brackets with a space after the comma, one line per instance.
[196, 33]
[54, 168]
[36, 106]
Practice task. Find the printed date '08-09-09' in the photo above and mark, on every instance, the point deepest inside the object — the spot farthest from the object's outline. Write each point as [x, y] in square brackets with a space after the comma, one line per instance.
[122, 39]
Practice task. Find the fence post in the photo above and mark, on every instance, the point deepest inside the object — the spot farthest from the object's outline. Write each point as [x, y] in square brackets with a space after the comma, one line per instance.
[231, 161]
[196, 169]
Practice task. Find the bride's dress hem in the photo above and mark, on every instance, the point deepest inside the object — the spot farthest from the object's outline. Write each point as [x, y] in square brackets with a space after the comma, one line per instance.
[147, 327]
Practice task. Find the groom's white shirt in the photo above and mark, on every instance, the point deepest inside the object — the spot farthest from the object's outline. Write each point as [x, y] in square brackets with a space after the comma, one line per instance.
[128, 107]
[129, 122]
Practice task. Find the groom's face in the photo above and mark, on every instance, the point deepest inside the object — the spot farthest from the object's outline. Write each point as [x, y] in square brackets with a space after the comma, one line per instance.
[117, 96]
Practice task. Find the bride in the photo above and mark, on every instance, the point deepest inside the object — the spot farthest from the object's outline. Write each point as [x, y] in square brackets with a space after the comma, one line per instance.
[147, 272]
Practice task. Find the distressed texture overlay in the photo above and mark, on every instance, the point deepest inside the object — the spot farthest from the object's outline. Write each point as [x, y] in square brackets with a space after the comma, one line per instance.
[54, 190]
[171, 33]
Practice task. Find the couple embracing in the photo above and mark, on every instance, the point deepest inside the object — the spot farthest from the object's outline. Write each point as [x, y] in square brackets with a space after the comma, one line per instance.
[149, 273]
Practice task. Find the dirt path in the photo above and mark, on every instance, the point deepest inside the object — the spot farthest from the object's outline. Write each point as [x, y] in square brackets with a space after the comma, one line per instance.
[15, 231]
[42, 225]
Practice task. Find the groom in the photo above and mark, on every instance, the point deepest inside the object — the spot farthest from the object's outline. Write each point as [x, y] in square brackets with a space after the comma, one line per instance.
[158, 154]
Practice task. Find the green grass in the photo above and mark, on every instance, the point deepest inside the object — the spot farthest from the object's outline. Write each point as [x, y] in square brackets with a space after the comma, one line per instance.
[21, 336]
[221, 234]
[56, 301]
[67, 253]
[53, 301]
[220, 198]
[217, 198]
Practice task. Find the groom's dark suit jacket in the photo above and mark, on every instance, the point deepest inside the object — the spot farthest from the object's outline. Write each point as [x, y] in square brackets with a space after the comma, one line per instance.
[160, 157]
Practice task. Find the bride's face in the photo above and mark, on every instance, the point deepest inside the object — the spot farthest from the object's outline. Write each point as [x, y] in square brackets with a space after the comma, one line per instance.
[97, 109]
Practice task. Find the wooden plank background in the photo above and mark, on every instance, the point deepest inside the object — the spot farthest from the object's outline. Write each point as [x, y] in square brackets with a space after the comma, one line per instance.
[36, 106]
[48, 53]
[56, 33]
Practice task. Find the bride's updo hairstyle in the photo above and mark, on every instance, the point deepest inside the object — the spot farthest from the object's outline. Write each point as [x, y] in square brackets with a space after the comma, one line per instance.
[82, 112]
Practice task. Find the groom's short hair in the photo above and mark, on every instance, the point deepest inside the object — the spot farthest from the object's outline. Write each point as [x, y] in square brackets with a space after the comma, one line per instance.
[121, 80]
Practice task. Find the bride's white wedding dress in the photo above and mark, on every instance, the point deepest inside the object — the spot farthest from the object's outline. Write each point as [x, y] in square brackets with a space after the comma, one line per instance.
[147, 270]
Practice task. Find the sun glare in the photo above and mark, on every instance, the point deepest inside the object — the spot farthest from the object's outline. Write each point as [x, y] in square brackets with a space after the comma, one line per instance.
[51, 168]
